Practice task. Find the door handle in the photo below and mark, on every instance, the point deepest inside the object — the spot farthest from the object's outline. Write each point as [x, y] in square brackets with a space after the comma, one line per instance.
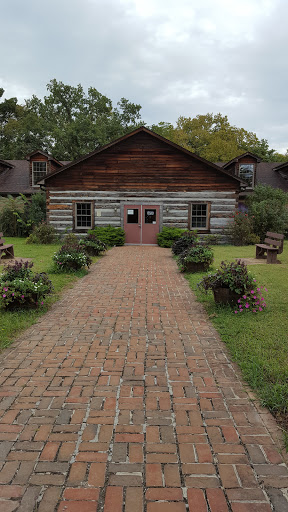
[139, 225]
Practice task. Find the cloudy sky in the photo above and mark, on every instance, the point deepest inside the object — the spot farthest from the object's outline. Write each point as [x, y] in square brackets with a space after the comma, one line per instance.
[174, 57]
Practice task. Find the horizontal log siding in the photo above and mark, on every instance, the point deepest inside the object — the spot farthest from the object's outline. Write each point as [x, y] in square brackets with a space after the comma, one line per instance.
[108, 206]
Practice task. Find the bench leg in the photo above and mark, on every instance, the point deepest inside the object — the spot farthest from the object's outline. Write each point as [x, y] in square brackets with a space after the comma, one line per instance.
[260, 253]
[271, 256]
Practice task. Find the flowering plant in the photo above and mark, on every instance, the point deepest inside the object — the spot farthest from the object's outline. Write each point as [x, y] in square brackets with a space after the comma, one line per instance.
[234, 276]
[252, 300]
[19, 286]
[71, 257]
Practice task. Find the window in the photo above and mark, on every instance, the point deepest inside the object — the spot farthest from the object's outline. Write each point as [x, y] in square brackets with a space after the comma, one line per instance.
[132, 216]
[83, 215]
[39, 170]
[246, 173]
[200, 216]
[150, 216]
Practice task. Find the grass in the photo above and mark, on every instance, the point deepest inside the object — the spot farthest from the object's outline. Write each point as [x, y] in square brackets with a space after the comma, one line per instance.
[257, 342]
[13, 322]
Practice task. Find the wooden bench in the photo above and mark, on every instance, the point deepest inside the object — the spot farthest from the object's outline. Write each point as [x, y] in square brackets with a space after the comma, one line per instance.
[7, 249]
[273, 245]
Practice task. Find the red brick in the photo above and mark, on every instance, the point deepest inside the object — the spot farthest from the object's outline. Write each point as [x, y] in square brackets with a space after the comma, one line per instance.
[166, 507]
[77, 473]
[97, 474]
[172, 476]
[196, 500]
[165, 494]
[134, 499]
[113, 499]
[50, 451]
[153, 475]
[81, 494]
[217, 500]
[76, 506]
[11, 491]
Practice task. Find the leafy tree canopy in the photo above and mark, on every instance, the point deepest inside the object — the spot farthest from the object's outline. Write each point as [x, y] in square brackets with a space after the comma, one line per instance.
[214, 138]
[67, 123]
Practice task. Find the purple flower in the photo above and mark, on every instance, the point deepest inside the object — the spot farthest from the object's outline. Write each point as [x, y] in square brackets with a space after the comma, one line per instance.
[22, 296]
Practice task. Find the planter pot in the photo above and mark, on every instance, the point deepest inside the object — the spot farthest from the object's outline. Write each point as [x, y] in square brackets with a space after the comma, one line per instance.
[225, 296]
[195, 267]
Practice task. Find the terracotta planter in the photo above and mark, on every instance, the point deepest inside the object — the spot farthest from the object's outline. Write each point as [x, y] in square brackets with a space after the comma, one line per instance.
[225, 296]
[195, 267]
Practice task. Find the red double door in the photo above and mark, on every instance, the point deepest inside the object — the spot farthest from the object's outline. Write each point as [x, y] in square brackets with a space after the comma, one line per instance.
[141, 224]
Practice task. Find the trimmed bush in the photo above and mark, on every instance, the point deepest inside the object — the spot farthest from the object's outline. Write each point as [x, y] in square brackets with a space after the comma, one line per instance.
[92, 245]
[198, 254]
[109, 235]
[42, 234]
[187, 239]
[168, 236]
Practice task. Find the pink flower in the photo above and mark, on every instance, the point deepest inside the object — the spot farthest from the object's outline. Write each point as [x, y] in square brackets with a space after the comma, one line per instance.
[5, 289]
[239, 300]
[22, 296]
[244, 297]
[254, 280]
[4, 295]
[235, 312]
[254, 297]
[258, 289]
[254, 310]
[260, 309]
[42, 303]
[252, 292]
[13, 294]
[265, 289]
[246, 305]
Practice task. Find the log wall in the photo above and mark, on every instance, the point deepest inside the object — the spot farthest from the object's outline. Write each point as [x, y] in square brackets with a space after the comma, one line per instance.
[108, 207]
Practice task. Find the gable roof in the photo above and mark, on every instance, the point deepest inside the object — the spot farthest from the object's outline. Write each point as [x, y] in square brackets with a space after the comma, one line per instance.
[237, 158]
[280, 166]
[132, 134]
[5, 164]
[39, 151]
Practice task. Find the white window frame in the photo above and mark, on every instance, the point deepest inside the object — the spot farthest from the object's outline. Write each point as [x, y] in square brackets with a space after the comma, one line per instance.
[207, 215]
[36, 163]
[253, 174]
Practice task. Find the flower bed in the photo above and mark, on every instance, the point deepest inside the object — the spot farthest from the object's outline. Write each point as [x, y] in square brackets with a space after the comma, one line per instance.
[20, 287]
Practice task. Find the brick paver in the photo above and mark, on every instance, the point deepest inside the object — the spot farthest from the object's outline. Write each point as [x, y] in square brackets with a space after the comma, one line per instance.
[123, 399]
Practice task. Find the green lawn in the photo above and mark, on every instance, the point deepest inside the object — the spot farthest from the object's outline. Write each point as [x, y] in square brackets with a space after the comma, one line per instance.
[13, 322]
[257, 342]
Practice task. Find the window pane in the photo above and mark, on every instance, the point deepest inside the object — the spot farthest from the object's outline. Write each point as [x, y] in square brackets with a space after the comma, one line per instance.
[246, 172]
[150, 216]
[199, 216]
[83, 215]
[132, 216]
[39, 170]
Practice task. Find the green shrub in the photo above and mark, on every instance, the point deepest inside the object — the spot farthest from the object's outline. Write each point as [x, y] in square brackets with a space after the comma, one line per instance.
[267, 208]
[198, 253]
[70, 258]
[20, 287]
[92, 245]
[70, 239]
[187, 239]
[10, 211]
[240, 230]
[168, 236]
[109, 235]
[42, 234]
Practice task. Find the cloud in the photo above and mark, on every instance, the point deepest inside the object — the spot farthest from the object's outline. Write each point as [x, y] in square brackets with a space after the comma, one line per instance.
[174, 58]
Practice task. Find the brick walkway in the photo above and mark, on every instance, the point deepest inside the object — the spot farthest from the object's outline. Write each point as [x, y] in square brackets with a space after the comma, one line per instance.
[122, 399]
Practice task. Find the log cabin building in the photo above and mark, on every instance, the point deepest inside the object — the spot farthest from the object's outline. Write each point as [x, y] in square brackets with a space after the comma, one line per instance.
[141, 182]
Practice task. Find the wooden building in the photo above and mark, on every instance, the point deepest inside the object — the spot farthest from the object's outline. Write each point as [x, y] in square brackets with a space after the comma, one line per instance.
[141, 182]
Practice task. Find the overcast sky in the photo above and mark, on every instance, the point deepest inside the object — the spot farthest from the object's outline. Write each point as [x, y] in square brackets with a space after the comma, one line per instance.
[174, 57]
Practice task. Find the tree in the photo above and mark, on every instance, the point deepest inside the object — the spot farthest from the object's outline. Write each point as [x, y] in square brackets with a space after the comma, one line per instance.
[267, 209]
[67, 123]
[214, 138]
